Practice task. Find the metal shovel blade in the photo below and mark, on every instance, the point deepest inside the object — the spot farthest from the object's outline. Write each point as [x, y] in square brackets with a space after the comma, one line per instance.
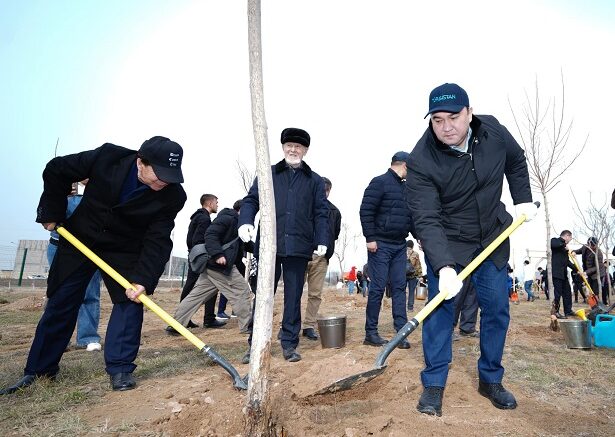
[351, 381]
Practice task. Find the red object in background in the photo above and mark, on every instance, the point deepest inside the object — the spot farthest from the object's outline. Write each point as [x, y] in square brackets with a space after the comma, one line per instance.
[351, 275]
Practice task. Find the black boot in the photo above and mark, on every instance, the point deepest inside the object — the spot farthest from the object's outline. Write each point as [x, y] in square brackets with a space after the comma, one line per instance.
[24, 382]
[498, 395]
[431, 401]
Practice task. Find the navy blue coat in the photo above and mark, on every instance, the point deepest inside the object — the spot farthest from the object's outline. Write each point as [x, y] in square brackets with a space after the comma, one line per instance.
[301, 210]
[455, 196]
[385, 214]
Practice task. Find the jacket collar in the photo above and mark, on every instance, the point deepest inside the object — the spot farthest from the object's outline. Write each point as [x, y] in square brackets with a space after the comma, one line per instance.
[281, 166]
[395, 175]
[477, 132]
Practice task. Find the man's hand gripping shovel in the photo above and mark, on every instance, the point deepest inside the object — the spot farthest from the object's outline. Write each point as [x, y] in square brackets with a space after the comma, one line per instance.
[238, 382]
[408, 328]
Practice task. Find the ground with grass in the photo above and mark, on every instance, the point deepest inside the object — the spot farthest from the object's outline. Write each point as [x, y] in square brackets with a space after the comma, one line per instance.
[180, 392]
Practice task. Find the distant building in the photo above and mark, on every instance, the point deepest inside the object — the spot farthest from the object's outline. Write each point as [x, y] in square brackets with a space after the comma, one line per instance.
[32, 256]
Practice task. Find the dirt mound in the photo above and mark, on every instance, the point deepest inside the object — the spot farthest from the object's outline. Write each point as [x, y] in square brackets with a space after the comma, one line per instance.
[30, 303]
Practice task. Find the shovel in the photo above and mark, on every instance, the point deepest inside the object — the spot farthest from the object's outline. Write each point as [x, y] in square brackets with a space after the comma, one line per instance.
[408, 328]
[238, 382]
[596, 306]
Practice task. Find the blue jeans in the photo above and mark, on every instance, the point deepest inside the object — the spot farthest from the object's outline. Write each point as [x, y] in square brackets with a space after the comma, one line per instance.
[528, 289]
[350, 287]
[364, 285]
[222, 304]
[411, 286]
[89, 311]
[490, 285]
[386, 265]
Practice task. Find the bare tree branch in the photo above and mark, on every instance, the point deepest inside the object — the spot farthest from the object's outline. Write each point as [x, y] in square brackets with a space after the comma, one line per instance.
[546, 149]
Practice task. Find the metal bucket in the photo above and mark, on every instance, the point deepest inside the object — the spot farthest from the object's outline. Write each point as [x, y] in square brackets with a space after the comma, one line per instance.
[421, 292]
[332, 331]
[577, 333]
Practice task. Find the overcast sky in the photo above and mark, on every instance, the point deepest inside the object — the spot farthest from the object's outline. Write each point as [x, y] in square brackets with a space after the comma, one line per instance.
[355, 74]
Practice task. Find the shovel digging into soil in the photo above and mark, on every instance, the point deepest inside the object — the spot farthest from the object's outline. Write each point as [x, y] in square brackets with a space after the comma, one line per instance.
[408, 328]
[238, 382]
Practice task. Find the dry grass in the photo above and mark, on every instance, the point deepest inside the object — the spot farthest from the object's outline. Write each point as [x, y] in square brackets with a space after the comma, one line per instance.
[535, 358]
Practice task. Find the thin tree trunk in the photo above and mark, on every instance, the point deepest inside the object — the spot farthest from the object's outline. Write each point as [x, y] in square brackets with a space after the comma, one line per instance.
[258, 409]
[549, 253]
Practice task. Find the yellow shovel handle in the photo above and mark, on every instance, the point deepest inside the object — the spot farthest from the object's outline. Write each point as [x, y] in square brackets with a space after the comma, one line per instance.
[573, 257]
[151, 305]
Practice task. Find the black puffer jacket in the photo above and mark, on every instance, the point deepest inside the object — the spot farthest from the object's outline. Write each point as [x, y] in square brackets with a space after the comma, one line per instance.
[221, 231]
[335, 226]
[455, 196]
[385, 214]
[199, 220]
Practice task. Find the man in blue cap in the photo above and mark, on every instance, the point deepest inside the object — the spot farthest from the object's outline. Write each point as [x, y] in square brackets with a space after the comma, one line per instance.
[455, 179]
[386, 222]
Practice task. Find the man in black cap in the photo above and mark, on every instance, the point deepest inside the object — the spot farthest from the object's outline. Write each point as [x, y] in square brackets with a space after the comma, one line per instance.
[386, 221]
[455, 185]
[301, 226]
[125, 217]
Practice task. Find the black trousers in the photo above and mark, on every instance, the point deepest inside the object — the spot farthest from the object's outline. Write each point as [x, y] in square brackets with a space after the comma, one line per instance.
[292, 270]
[209, 305]
[562, 288]
[58, 321]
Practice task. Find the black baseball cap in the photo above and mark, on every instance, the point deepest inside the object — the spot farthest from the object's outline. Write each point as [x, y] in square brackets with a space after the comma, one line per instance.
[165, 157]
[448, 97]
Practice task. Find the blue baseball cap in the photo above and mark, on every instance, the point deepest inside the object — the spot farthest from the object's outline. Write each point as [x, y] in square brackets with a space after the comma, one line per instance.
[448, 97]
[400, 157]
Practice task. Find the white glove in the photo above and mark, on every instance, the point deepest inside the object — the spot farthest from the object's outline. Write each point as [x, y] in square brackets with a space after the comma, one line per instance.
[449, 282]
[321, 250]
[529, 209]
[246, 232]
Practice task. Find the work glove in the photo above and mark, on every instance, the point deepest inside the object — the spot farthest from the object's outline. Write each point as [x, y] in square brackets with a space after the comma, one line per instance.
[529, 209]
[320, 250]
[246, 232]
[449, 282]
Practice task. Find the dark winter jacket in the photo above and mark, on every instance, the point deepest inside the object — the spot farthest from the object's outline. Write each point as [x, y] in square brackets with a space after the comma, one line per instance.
[132, 236]
[385, 214]
[591, 269]
[221, 231]
[301, 210]
[560, 260]
[335, 226]
[455, 196]
[199, 221]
